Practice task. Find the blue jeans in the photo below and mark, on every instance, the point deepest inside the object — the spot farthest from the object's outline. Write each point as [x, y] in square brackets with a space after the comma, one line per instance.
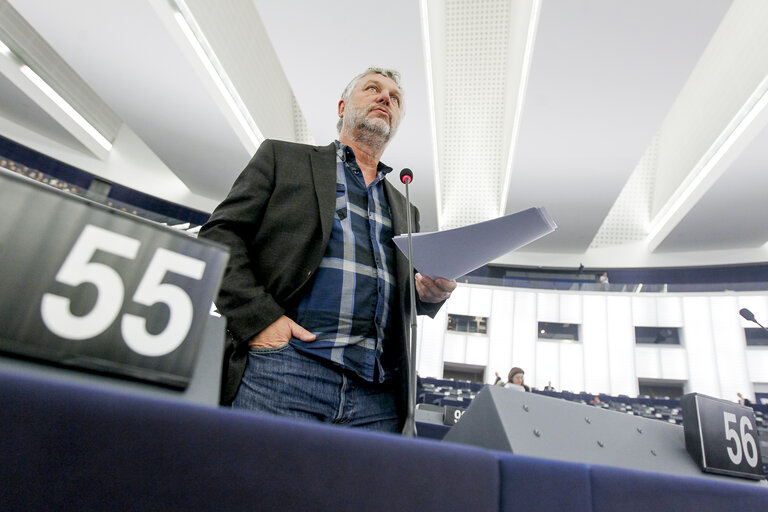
[285, 382]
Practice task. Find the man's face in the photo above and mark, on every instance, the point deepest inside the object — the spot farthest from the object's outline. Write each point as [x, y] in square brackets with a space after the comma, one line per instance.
[373, 106]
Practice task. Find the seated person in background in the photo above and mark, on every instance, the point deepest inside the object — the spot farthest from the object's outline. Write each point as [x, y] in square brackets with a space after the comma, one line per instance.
[517, 380]
[744, 401]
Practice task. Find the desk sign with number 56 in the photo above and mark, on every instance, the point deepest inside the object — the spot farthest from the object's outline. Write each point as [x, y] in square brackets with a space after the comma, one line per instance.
[721, 436]
[88, 287]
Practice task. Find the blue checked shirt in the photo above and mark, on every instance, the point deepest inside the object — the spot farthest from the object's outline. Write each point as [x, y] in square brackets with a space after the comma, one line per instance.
[348, 305]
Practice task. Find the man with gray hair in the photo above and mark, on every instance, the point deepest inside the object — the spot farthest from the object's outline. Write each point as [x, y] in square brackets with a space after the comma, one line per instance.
[315, 294]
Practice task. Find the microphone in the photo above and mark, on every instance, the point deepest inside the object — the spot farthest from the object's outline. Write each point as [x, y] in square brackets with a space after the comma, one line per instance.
[409, 429]
[747, 314]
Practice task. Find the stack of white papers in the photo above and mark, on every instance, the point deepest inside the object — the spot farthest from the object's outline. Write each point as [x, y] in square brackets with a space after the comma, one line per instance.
[455, 252]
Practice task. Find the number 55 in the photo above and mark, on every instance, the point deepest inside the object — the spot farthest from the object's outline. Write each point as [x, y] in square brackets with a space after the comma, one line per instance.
[78, 268]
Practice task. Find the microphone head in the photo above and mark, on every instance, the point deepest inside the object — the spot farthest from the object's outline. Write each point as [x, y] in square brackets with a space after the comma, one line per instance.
[406, 176]
[747, 314]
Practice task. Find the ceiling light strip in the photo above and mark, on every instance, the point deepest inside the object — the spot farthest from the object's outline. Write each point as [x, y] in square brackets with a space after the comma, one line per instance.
[662, 224]
[432, 114]
[533, 23]
[59, 101]
[215, 70]
[66, 107]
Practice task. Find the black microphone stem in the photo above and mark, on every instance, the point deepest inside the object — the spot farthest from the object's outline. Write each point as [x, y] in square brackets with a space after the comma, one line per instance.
[409, 430]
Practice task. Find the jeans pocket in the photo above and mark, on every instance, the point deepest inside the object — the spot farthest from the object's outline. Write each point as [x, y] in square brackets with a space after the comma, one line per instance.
[268, 350]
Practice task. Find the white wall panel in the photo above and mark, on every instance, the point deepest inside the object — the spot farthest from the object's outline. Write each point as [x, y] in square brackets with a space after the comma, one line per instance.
[647, 362]
[547, 365]
[500, 334]
[756, 357]
[572, 368]
[429, 344]
[455, 349]
[644, 311]
[548, 307]
[730, 346]
[758, 305]
[524, 333]
[570, 308]
[674, 363]
[700, 346]
[477, 350]
[477, 344]
[757, 364]
[480, 301]
[621, 346]
[595, 341]
[458, 304]
[669, 311]
[712, 360]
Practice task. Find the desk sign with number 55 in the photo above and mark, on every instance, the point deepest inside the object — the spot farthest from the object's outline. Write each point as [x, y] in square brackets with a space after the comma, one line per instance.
[89, 287]
[721, 436]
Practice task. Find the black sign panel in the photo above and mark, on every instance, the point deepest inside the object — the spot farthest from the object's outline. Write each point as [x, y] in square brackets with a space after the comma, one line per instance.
[451, 414]
[721, 436]
[85, 286]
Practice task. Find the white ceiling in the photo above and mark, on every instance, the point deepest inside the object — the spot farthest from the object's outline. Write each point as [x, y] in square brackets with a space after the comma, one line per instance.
[17, 108]
[609, 114]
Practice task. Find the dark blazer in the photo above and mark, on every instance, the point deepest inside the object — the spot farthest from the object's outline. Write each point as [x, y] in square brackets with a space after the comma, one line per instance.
[276, 221]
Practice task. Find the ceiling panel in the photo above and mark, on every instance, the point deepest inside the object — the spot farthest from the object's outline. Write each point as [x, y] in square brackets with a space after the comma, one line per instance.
[17, 108]
[603, 77]
[125, 53]
[734, 211]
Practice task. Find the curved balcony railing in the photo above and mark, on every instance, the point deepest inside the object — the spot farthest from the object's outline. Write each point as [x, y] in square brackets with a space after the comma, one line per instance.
[581, 286]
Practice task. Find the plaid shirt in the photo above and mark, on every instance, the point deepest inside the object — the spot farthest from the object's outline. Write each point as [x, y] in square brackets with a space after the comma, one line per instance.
[348, 305]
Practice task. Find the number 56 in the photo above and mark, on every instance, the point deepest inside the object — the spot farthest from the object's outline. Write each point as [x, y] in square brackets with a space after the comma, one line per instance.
[78, 268]
[746, 440]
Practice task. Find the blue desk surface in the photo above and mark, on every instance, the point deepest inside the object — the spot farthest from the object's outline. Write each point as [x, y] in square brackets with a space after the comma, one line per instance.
[70, 447]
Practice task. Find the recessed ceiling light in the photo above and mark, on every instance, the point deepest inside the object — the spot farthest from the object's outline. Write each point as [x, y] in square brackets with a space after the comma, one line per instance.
[197, 40]
[66, 107]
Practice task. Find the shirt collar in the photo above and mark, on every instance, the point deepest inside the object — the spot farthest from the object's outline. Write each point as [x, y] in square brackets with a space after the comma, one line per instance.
[346, 154]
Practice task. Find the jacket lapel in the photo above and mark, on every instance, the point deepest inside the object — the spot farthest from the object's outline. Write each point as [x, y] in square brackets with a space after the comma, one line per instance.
[324, 174]
[398, 206]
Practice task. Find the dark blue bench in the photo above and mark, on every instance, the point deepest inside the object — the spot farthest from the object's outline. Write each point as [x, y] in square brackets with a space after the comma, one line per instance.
[70, 447]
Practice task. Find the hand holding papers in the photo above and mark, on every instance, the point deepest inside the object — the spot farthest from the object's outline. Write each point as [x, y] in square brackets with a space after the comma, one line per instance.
[454, 252]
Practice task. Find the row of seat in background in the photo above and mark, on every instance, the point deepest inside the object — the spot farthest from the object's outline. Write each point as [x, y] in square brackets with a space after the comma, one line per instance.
[446, 392]
[449, 393]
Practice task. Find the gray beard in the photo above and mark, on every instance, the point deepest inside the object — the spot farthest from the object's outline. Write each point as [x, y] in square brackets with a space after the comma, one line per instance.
[370, 132]
[374, 127]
